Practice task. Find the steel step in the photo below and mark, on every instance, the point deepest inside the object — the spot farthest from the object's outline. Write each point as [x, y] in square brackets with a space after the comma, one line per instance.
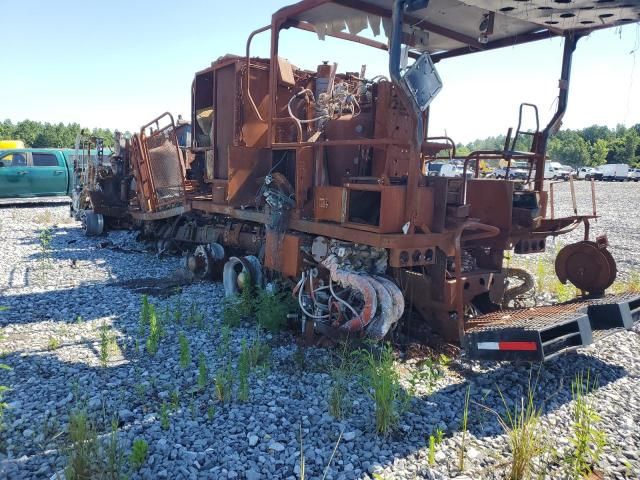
[541, 333]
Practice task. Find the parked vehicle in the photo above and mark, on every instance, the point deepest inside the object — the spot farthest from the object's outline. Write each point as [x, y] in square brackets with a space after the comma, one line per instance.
[443, 170]
[518, 171]
[614, 172]
[557, 171]
[633, 175]
[585, 173]
[34, 173]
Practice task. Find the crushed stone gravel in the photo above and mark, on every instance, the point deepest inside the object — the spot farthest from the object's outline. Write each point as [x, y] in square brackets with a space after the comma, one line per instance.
[60, 298]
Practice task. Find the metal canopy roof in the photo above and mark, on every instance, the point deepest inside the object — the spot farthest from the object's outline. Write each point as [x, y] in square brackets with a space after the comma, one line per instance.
[453, 26]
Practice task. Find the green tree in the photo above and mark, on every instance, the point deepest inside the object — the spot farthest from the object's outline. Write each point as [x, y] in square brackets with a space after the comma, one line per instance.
[599, 151]
[28, 131]
[569, 148]
[7, 129]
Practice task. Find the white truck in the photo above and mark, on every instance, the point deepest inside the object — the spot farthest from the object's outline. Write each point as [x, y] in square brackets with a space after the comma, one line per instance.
[556, 171]
[614, 172]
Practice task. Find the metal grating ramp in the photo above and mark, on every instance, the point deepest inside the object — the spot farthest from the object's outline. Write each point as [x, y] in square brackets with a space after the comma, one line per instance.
[541, 333]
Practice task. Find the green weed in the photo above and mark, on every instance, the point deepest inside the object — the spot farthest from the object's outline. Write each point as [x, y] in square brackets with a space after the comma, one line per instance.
[185, 352]
[211, 412]
[465, 420]
[588, 440]
[427, 373]
[338, 398]
[271, 309]
[562, 292]
[138, 454]
[383, 385]
[164, 416]
[238, 307]
[225, 341]
[45, 238]
[195, 318]
[108, 344]
[53, 344]
[522, 426]
[115, 456]
[177, 311]
[259, 353]
[432, 450]
[203, 374]
[155, 331]
[174, 399]
[224, 383]
[84, 450]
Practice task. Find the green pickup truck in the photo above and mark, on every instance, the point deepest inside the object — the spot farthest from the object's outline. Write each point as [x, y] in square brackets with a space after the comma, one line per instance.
[35, 172]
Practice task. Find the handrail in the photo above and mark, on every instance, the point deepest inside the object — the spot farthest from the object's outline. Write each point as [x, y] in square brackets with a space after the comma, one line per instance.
[248, 70]
[449, 140]
[457, 241]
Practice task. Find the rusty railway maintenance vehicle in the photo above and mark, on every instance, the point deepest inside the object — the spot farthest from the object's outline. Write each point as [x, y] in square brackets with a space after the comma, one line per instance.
[316, 180]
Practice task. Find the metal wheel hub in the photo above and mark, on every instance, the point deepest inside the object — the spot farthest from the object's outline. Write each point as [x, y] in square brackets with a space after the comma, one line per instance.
[589, 267]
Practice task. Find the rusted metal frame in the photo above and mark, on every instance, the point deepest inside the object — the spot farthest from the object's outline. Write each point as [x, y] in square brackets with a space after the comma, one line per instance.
[441, 240]
[171, 212]
[503, 42]
[551, 202]
[570, 43]
[278, 19]
[248, 70]
[586, 229]
[406, 97]
[182, 166]
[492, 232]
[424, 24]
[489, 155]
[448, 139]
[138, 158]
[153, 203]
[298, 129]
[572, 188]
[240, 214]
[593, 196]
[340, 143]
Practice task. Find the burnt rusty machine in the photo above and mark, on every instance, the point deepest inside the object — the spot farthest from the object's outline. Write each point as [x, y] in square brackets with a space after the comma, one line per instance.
[314, 180]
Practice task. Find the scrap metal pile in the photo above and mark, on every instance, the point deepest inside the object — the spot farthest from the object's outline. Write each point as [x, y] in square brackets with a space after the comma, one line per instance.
[316, 181]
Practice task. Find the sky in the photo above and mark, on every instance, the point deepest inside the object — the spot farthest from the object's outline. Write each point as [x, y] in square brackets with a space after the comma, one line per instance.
[121, 63]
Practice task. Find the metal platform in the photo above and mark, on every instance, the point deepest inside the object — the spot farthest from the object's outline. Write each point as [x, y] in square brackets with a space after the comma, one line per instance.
[541, 333]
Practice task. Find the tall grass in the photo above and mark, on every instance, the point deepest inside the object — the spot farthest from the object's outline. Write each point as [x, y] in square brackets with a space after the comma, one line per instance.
[588, 440]
[383, 386]
[465, 421]
[524, 435]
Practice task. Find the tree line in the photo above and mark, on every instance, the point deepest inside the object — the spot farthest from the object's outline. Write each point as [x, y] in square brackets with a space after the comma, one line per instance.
[50, 135]
[591, 146]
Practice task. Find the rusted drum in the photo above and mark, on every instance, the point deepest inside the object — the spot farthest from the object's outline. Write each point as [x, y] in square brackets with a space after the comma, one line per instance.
[589, 267]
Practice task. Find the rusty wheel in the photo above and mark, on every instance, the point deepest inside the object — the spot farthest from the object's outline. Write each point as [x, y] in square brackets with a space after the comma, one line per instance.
[585, 265]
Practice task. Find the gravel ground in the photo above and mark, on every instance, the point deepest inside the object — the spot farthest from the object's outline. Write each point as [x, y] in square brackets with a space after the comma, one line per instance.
[59, 299]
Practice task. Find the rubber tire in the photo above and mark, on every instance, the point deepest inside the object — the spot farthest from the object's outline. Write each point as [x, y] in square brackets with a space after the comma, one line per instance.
[93, 224]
